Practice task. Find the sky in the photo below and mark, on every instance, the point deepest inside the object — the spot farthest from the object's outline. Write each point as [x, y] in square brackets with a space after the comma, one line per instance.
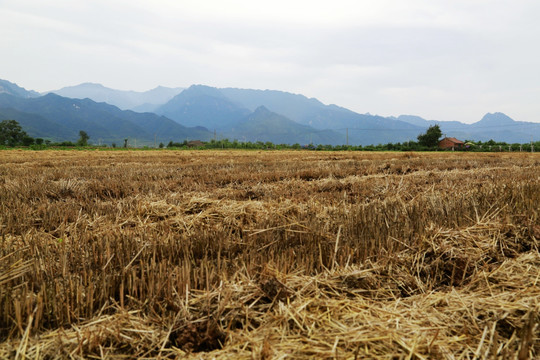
[443, 60]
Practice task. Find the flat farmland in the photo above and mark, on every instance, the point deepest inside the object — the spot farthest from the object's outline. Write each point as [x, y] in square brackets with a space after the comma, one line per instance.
[269, 254]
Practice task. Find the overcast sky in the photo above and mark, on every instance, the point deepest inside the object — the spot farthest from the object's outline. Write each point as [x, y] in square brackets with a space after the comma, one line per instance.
[444, 60]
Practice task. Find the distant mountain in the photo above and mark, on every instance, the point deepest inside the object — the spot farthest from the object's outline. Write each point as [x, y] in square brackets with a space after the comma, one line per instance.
[65, 117]
[132, 100]
[222, 108]
[242, 114]
[494, 120]
[496, 126]
[10, 88]
[418, 121]
[311, 112]
[295, 107]
[203, 106]
[264, 125]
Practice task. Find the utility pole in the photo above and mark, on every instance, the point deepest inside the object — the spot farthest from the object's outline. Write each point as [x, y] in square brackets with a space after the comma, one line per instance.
[532, 146]
[347, 136]
[155, 139]
[214, 134]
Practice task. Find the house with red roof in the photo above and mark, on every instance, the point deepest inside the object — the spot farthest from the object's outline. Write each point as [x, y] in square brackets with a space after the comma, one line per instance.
[451, 143]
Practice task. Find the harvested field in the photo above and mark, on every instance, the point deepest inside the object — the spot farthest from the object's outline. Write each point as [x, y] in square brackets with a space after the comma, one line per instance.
[267, 255]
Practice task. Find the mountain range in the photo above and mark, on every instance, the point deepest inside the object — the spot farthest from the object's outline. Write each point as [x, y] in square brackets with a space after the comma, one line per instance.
[496, 126]
[146, 101]
[7, 87]
[59, 118]
[221, 109]
[202, 112]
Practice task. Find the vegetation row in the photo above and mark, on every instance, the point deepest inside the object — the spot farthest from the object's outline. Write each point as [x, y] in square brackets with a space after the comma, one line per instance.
[12, 135]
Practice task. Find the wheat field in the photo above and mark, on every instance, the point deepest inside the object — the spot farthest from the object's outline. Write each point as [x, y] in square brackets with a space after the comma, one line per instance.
[269, 255]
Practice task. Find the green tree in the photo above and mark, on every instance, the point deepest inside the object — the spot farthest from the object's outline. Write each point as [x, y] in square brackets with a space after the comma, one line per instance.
[11, 133]
[83, 138]
[27, 140]
[431, 137]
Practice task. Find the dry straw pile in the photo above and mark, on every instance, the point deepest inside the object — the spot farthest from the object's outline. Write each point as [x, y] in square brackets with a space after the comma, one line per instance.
[163, 254]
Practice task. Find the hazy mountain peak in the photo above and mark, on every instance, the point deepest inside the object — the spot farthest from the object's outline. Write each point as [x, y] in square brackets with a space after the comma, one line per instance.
[51, 96]
[261, 110]
[202, 105]
[413, 119]
[197, 90]
[120, 98]
[162, 88]
[498, 115]
[7, 87]
[495, 119]
[89, 84]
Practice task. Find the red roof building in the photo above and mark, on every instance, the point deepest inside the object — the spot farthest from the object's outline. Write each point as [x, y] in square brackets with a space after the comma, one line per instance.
[451, 143]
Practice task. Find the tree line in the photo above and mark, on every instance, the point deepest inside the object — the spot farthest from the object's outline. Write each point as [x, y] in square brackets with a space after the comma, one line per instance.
[12, 134]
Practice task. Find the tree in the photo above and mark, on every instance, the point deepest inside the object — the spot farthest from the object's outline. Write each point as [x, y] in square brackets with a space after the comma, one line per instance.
[11, 133]
[431, 137]
[83, 138]
[27, 140]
